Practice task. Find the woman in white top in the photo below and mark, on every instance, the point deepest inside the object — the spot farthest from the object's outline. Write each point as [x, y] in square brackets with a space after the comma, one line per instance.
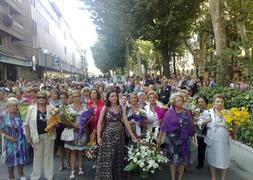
[217, 139]
[153, 120]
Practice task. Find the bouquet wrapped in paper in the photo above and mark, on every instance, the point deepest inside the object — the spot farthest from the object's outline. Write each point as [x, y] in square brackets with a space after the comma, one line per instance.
[65, 115]
[83, 120]
[53, 120]
[144, 156]
[139, 117]
[23, 110]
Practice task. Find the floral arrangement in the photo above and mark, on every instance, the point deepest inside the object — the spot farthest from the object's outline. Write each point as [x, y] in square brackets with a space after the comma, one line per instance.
[235, 117]
[53, 120]
[144, 156]
[84, 118]
[138, 116]
[66, 117]
[191, 104]
[91, 153]
[23, 110]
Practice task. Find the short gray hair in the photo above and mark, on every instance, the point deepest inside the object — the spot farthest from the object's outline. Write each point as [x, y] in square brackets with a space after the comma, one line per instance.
[12, 101]
[141, 94]
[173, 97]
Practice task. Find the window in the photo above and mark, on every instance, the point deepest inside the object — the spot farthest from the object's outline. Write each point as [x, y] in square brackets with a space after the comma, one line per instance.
[33, 3]
[1, 41]
[34, 26]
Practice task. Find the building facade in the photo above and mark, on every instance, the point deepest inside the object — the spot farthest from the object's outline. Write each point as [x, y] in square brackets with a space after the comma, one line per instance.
[36, 41]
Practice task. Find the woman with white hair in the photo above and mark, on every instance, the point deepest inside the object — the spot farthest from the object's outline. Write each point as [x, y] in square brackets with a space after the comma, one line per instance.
[178, 128]
[14, 139]
[43, 142]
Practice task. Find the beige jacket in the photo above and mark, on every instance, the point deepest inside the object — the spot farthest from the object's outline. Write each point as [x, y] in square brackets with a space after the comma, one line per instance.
[31, 122]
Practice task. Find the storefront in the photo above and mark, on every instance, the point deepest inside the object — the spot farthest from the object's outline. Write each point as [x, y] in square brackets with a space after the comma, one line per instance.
[13, 68]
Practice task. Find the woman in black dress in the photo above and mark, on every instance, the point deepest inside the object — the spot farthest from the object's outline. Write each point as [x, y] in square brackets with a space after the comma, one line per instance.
[111, 139]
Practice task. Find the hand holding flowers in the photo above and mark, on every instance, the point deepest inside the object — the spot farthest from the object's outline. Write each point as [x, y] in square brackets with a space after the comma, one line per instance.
[144, 156]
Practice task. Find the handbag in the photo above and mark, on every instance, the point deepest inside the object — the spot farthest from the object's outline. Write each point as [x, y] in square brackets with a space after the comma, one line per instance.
[68, 134]
[3, 155]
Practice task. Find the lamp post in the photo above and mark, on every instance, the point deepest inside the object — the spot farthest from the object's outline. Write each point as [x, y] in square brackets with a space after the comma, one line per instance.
[45, 52]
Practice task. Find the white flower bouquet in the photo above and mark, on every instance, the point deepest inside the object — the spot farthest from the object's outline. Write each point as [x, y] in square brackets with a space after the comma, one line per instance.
[144, 156]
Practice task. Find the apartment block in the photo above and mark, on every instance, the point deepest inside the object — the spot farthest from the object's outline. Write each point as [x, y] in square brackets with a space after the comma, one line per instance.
[36, 42]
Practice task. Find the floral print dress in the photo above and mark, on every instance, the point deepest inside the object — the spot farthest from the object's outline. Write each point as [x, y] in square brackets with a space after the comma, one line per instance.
[17, 152]
[79, 144]
[174, 142]
[111, 156]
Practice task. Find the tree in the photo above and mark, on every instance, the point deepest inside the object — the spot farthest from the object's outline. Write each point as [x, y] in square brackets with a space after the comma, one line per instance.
[166, 24]
[217, 16]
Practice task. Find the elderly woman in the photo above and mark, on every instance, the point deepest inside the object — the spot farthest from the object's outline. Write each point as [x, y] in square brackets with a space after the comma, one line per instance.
[139, 128]
[43, 143]
[85, 94]
[141, 100]
[78, 145]
[14, 139]
[217, 138]
[178, 128]
[153, 119]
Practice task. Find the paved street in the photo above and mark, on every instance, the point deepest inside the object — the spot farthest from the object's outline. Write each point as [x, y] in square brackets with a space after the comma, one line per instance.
[234, 173]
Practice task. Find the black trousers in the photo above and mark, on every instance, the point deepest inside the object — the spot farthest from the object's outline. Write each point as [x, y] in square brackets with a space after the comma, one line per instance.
[201, 150]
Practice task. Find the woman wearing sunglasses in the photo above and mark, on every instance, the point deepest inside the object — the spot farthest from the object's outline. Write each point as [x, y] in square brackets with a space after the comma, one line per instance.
[78, 145]
[43, 143]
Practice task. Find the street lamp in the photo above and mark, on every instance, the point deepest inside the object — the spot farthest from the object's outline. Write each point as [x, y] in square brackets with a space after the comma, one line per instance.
[45, 52]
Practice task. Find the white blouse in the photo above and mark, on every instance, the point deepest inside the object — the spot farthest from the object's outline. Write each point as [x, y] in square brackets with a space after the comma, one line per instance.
[151, 116]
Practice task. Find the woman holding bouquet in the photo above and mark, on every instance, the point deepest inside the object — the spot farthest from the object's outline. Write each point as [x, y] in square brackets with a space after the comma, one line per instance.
[140, 122]
[178, 128]
[111, 139]
[217, 138]
[14, 139]
[43, 143]
[78, 145]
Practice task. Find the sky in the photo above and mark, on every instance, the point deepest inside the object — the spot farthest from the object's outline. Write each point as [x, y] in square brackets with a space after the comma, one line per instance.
[82, 28]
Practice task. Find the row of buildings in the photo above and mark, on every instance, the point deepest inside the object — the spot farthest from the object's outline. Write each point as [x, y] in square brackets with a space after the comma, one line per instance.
[36, 42]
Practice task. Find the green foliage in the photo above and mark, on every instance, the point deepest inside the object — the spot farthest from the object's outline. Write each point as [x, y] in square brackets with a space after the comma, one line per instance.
[113, 19]
[245, 133]
[107, 55]
[233, 97]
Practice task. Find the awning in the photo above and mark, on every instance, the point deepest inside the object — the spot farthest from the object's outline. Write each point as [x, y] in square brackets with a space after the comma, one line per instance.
[11, 60]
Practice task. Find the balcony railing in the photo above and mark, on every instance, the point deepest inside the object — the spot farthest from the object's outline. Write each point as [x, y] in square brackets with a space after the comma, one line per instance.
[14, 28]
[16, 5]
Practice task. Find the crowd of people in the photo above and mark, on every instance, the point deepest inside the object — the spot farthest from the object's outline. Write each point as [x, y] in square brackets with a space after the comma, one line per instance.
[110, 126]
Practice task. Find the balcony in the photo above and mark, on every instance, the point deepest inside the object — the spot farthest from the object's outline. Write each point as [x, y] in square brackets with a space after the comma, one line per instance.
[16, 5]
[12, 27]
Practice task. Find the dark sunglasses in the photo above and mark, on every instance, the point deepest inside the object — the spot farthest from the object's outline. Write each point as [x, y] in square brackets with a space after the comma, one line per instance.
[41, 97]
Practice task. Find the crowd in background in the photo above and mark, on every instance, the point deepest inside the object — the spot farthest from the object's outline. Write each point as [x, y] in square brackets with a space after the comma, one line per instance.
[113, 103]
